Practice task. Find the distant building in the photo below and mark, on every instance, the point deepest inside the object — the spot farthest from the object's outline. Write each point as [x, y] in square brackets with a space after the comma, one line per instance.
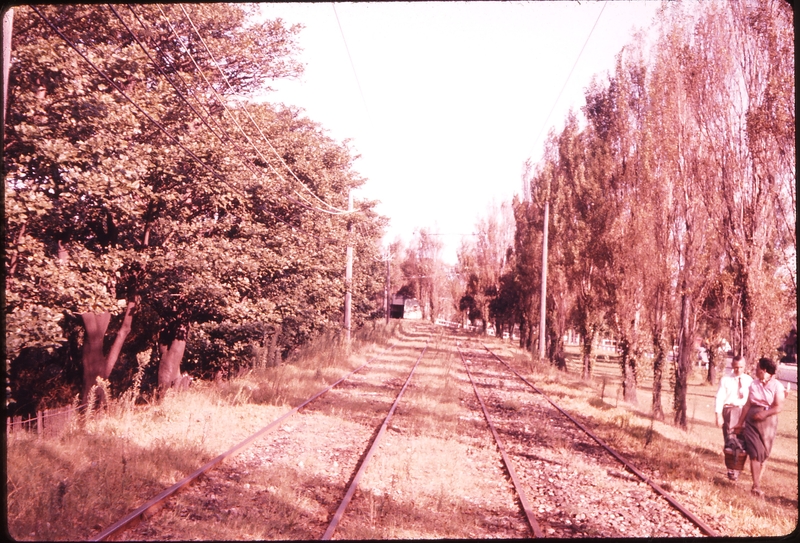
[405, 308]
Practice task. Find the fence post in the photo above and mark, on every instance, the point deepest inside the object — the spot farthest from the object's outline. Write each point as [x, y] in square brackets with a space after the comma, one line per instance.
[39, 421]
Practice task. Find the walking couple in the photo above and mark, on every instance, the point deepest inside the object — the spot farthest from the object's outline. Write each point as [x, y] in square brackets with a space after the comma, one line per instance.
[749, 408]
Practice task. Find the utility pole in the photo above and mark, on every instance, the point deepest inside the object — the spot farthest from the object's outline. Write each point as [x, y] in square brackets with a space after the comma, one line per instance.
[388, 287]
[348, 274]
[544, 280]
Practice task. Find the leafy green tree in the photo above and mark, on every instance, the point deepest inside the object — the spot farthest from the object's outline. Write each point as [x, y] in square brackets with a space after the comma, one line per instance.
[424, 272]
[527, 269]
[672, 208]
[686, 170]
[216, 221]
[545, 186]
[582, 171]
[618, 109]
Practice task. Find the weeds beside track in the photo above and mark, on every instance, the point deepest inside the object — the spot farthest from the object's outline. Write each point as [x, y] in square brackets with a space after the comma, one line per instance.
[150, 507]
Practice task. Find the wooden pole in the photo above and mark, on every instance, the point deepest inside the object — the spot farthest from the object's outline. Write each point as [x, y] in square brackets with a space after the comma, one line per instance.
[348, 276]
[544, 281]
[8, 23]
[388, 288]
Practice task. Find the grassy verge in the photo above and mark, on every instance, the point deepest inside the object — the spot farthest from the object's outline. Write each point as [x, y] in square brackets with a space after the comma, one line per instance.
[689, 463]
[71, 486]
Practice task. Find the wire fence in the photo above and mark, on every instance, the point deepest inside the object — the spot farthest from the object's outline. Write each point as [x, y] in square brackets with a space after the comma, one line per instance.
[47, 423]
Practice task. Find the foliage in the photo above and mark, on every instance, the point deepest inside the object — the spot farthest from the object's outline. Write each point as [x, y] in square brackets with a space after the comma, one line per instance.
[672, 202]
[424, 273]
[228, 207]
[483, 261]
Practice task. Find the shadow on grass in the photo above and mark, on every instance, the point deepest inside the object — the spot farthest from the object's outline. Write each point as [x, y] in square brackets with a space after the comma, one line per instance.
[369, 514]
[73, 504]
[647, 448]
[600, 404]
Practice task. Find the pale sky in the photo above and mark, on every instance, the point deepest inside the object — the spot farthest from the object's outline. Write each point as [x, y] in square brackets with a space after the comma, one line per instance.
[455, 94]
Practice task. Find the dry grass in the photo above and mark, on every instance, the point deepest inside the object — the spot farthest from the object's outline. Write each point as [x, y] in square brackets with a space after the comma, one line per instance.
[429, 476]
[688, 462]
[71, 486]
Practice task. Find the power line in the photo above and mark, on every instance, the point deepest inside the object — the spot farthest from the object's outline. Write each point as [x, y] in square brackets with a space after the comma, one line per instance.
[160, 71]
[308, 205]
[258, 128]
[118, 89]
[216, 95]
[243, 108]
[163, 129]
[567, 80]
[242, 156]
[352, 65]
[221, 100]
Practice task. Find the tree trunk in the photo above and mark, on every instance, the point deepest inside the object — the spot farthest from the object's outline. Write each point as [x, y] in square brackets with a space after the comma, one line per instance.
[658, 370]
[272, 354]
[13, 268]
[172, 345]
[628, 364]
[588, 340]
[146, 239]
[262, 350]
[169, 369]
[556, 351]
[95, 364]
[63, 254]
[711, 378]
[523, 332]
[684, 366]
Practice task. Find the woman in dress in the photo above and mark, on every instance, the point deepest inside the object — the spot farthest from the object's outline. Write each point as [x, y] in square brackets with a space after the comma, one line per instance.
[759, 419]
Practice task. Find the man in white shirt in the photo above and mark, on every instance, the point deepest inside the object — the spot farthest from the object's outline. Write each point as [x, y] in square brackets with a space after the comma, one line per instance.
[731, 397]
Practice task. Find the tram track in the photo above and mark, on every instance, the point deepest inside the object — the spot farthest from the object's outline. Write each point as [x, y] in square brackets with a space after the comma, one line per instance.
[470, 422]
[152, 506]
[561, 485]
[436, 474]
[343, 443]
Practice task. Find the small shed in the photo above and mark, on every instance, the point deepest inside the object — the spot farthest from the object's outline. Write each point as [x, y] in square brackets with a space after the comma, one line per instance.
[397, 307]
[405, 308]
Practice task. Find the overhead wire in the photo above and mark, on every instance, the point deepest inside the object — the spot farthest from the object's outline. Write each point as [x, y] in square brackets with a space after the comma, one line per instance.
[350, 57]
[164, 74]
[544, 125]
[224, 105]
[137, 106]
[219, 98]
[242, 157]
[334, 209]
[160, 126]
[215, 173]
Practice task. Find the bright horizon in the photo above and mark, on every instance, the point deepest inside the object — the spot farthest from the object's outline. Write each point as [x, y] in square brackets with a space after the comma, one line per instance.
[449, 99]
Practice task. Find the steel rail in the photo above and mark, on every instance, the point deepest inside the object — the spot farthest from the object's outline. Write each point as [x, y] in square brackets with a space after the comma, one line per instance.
[354, 484]
[537, 531]
[672, 501]
[150, 507]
